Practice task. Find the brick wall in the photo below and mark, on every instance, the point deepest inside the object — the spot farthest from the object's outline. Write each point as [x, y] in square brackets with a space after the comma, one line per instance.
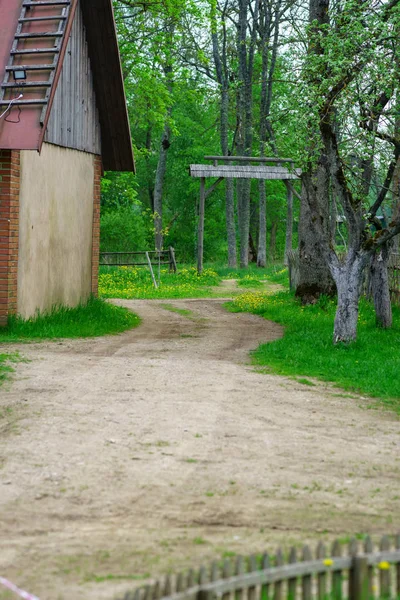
[9, 231]
[98, 171]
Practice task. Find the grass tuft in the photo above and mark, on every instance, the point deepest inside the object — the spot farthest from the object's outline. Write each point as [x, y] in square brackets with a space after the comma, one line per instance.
[95, 318]
[369, 366]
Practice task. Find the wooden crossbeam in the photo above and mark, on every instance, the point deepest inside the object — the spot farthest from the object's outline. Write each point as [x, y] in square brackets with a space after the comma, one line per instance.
[244, 172]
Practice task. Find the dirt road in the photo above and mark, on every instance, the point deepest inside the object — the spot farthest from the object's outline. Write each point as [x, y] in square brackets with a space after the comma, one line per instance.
[162, 448]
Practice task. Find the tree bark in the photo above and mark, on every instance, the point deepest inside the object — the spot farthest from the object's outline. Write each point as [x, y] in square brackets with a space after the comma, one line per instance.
[314, 274]
[262, 233]
[289, 223]
[221, 69]
[347, 276]
[246, 53]
[158, 188]
[272, 239]
[379, 281]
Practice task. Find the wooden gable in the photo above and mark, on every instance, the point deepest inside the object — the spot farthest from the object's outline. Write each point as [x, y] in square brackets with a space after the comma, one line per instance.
[74, 118]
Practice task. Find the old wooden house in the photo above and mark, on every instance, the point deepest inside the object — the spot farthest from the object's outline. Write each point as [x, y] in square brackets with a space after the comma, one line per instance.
[63, 119]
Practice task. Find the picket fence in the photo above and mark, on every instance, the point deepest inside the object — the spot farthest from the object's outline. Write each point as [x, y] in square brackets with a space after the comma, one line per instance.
[358, 574]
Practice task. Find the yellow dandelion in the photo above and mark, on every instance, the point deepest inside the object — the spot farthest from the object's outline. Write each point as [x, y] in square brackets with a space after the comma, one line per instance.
[328, 562]
[384, 565]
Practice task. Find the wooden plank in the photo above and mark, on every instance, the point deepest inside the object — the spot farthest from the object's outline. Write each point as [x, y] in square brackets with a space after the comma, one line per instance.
[368, 549]
[292, 582]
[321, 579]
[398, 567]
[260, 159]
[359, 585]
[240, 172]
[227, 572]
[353, 550]
[251, 592]
[191, 578]
[306, 583]
[384, 573]
[337, 576]
[200, 229]
[278, 587]
[151, 270]
[239, 571]
[172, 260]
[264, 595]
[156, 595]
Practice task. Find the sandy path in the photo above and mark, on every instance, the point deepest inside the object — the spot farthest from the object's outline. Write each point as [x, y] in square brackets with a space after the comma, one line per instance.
[162, 447]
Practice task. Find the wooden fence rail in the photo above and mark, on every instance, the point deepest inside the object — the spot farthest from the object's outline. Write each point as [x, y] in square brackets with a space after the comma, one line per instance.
[130, 259]
[361, 574]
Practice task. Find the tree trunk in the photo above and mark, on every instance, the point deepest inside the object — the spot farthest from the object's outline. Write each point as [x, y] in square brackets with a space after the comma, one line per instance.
[272, 240]
[262, 234]
[252, 250]
[379, 281]
[314, 274]
[158, 188]
[289, 223]
[347, 278]
[230, 222]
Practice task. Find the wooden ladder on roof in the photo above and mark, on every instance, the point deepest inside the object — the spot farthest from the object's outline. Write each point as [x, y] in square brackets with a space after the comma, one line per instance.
[30, 13]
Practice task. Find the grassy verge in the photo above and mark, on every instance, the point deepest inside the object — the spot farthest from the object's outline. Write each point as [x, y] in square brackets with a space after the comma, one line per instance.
[369, 366]
[273, 273]
[131, 282]
[94, 318]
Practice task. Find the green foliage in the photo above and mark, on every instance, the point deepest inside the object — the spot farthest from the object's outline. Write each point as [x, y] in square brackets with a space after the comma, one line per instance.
[92, 319]
[118, 190]
[369, 366]
[133, 282]
[126, 229]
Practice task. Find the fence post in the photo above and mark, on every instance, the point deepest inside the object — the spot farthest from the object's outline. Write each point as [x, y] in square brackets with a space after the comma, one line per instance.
[398, 566]
[359, 578]
[172, 259]
[384, 576]
[151, 270]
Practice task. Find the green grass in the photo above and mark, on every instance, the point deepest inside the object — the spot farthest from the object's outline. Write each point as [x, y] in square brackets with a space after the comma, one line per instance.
[6, 362]
[133, 282]
[94, 318]
[250, 282]
[369, 366]
[276, 273]
[184, 312]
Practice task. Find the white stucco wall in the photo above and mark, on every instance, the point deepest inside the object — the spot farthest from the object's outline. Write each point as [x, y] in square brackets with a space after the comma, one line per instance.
[55, 231]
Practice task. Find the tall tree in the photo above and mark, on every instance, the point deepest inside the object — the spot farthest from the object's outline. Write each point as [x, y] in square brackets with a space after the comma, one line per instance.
[349, 76]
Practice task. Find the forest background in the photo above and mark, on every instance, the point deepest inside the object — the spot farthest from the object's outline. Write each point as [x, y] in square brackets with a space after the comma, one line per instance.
[315, 81]
[194, 87]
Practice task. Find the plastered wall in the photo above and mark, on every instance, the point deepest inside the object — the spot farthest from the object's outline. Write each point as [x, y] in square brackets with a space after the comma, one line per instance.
[55, 228]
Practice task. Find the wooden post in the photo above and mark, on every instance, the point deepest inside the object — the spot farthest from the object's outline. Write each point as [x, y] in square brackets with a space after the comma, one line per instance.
[359, 578]
[289, 221]
[278, 587]
[384, 575]
[265, 564]
[172, 259]
[306, 579]
[322, 587]
[200, 235]
[151, 270]
[336, 575]
[292, 583]
[398, 566]
[353, 551]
